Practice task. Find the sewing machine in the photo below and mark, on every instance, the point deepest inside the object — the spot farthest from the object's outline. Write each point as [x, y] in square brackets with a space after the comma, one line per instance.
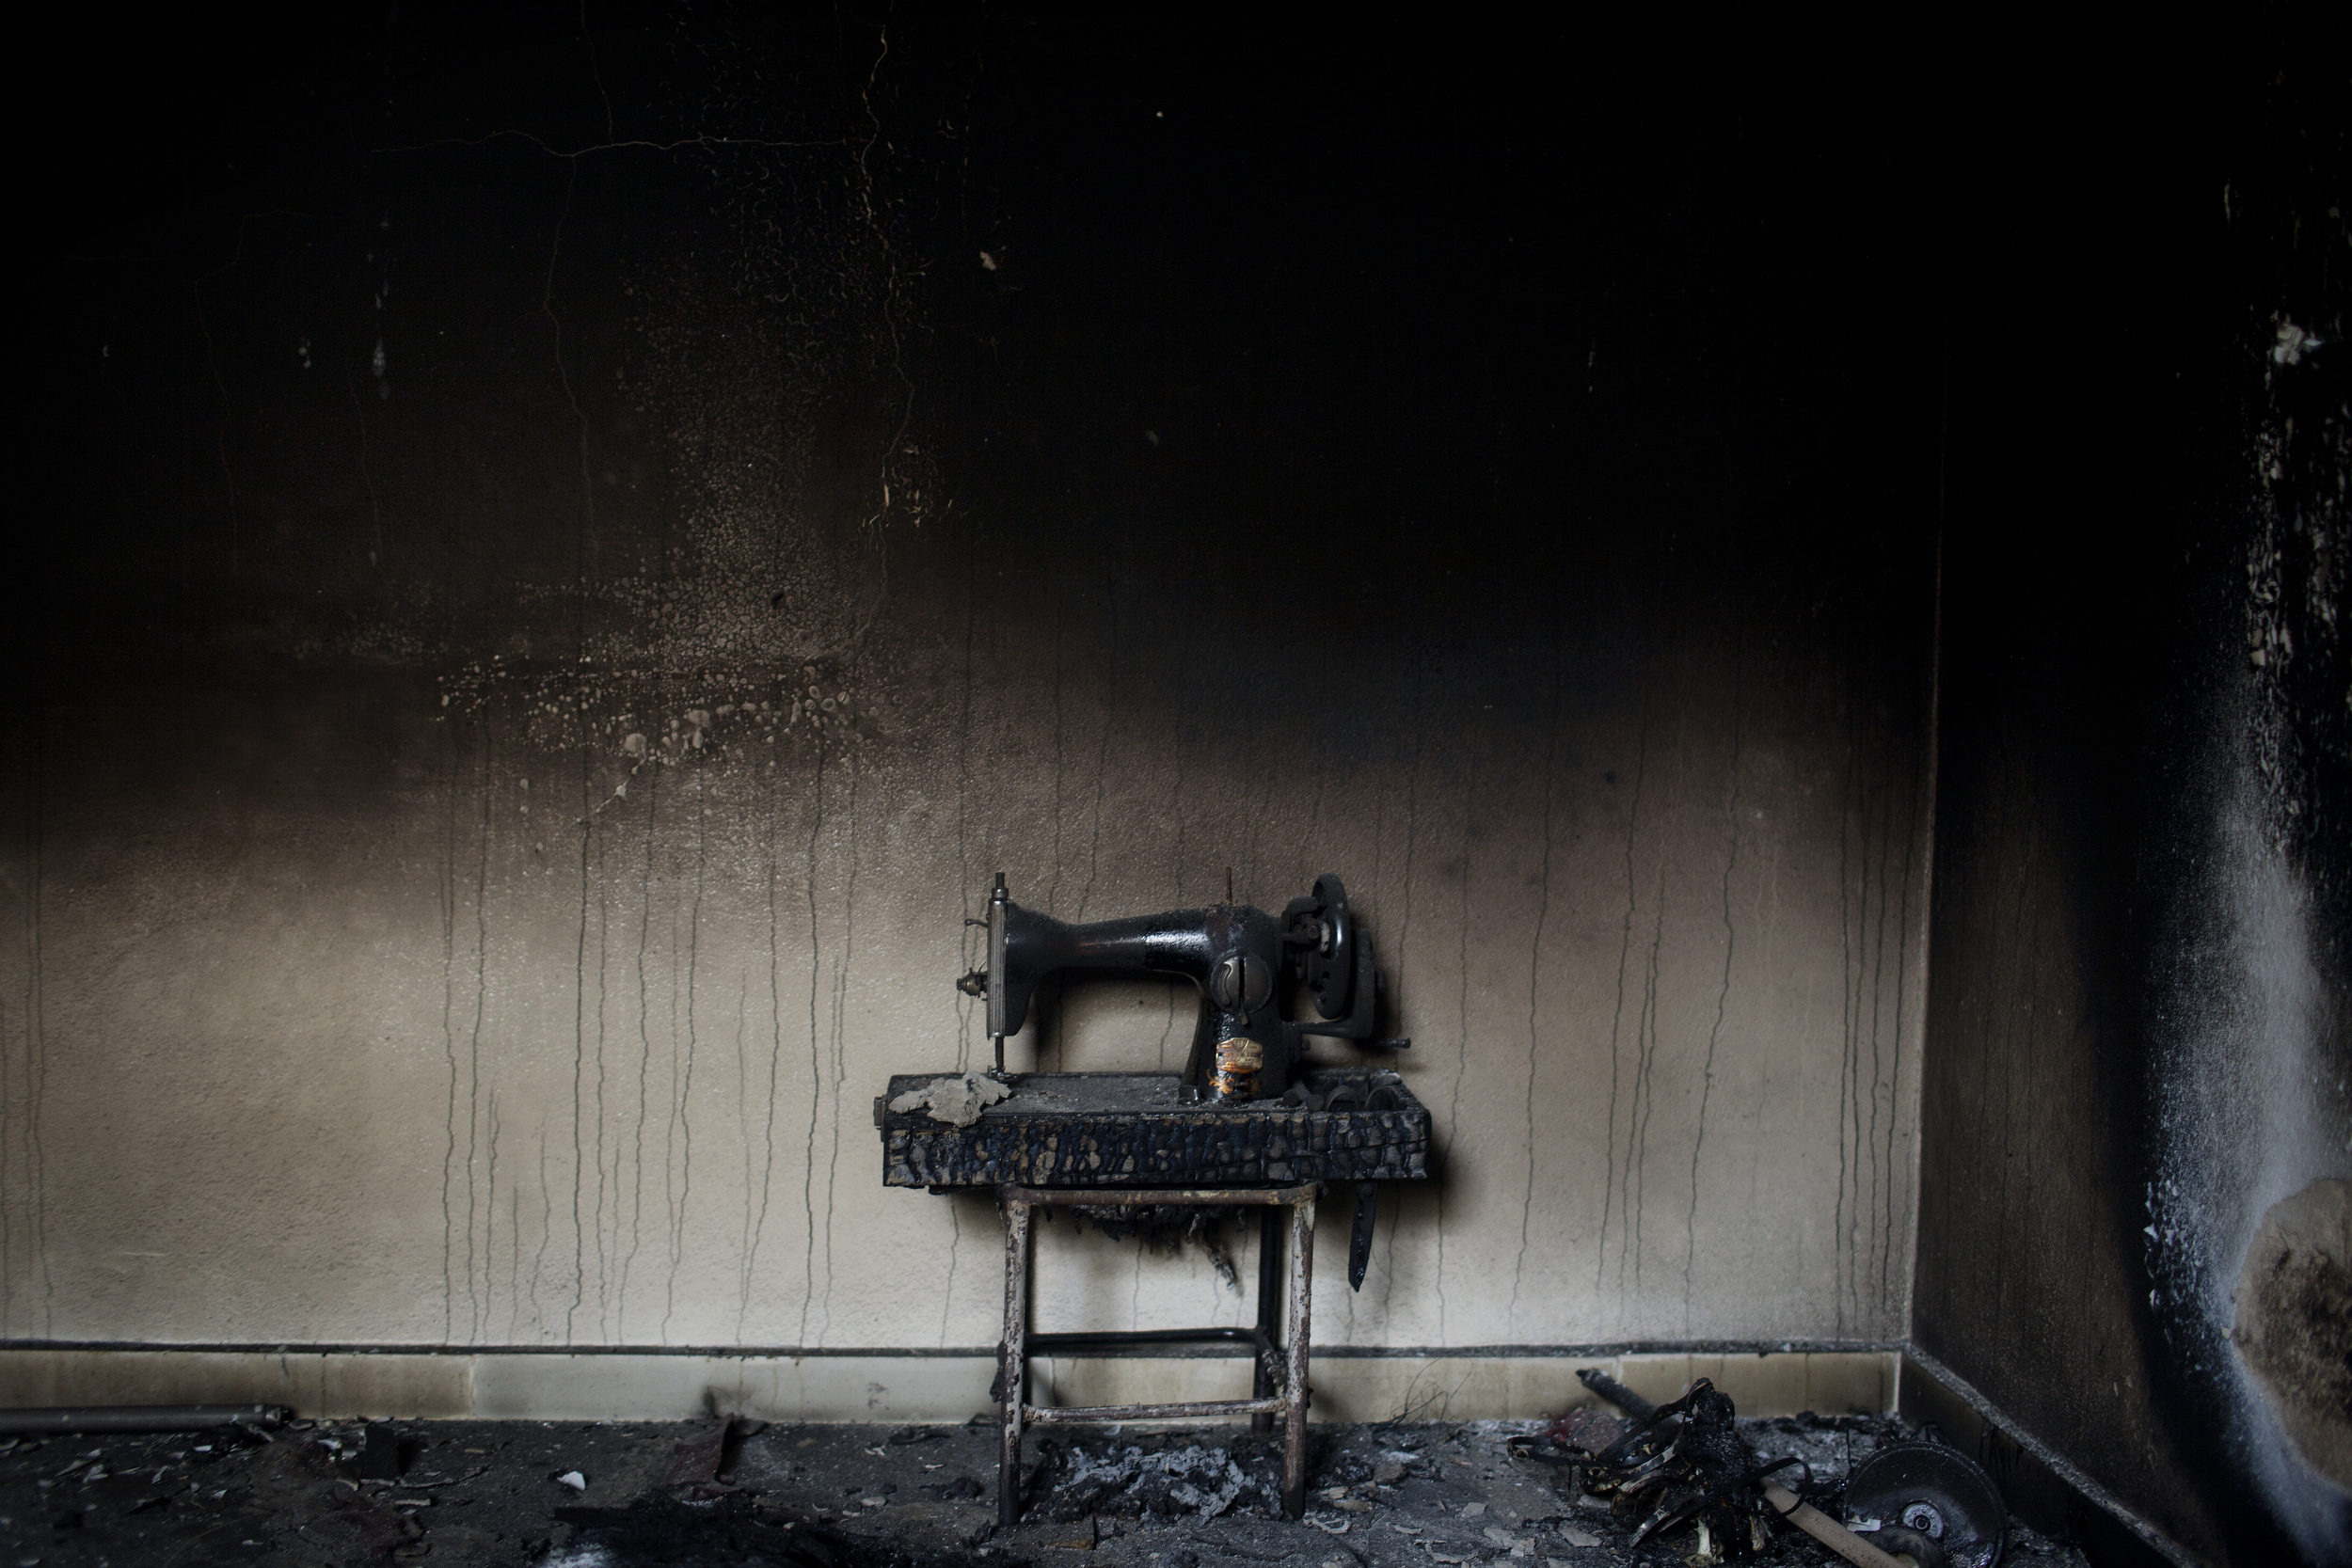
[1243, 1048]
[1249, 1123]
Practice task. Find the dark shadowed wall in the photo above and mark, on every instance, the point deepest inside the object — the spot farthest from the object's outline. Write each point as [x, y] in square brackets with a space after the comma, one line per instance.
[2136, 1035]
[570, 549]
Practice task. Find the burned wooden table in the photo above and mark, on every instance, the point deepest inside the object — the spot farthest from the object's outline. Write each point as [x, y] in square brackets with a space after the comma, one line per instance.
[1126, 1140]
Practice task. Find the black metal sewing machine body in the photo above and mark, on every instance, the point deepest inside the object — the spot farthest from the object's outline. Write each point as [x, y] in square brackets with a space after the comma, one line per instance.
[1243, 1048]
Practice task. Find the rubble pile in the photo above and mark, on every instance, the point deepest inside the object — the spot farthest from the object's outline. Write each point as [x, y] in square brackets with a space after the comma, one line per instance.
[1129, 1482]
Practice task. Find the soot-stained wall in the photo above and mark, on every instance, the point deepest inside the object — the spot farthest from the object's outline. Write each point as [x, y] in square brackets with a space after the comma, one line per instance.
[572, 551]
[2136, 1039]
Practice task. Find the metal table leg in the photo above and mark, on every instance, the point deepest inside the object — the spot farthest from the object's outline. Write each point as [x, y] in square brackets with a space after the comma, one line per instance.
[1013, 1374]
[1269, 1305]
[1296, 1394]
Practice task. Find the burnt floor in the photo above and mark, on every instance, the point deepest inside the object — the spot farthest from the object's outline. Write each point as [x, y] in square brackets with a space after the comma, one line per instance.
[609, 1495]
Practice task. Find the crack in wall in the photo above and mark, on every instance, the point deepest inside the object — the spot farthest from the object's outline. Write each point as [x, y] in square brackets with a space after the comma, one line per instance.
[1616, 1023]
[1534, 985]
[1444, 1141]
[816, 1063]
[1723, 996]
[686, 1080]
[547, 1226]
[1633, 1187]
[480, 1330]
[644, 1066]
[759, 1227]
[473, 1048]
[36, 1011]
[1848, 1068]
[447, 890]
[840, 1011]
[1875, 882]
[1890, 1228]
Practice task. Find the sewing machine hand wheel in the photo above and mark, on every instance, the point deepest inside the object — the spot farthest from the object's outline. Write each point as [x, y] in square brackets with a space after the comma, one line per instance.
[1322, 938]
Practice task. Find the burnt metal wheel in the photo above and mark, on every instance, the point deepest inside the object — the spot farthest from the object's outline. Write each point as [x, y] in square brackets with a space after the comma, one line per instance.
[1937, 1493]
[1325, 954]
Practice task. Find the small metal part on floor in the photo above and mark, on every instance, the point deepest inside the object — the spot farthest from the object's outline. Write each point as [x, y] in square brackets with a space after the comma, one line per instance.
[1937, 1491]
[1279, 1384]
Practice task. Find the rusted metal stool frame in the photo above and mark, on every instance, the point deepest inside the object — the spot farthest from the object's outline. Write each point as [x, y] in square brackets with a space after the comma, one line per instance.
[1265, 1403]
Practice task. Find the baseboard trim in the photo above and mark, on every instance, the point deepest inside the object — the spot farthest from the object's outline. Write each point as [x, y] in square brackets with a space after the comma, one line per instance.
[1352, 1382]
[1584, 1349]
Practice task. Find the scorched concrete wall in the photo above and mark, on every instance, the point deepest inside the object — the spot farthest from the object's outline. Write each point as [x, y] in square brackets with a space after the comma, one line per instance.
[554, 605]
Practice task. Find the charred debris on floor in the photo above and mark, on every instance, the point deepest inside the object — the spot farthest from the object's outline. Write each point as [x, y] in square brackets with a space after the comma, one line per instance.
[1688, 1467]
[584, 1494]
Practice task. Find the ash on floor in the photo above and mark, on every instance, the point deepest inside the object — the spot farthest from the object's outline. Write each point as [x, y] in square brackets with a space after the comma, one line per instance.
[613, 1495]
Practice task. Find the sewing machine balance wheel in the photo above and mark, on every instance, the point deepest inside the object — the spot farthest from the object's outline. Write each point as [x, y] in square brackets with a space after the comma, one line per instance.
[1328, 962]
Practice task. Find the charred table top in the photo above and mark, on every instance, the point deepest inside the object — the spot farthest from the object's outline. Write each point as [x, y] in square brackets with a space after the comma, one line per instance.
[1129, 1130]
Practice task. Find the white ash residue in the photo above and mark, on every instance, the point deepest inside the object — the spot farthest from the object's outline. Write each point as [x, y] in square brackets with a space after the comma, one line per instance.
[1831, 1447]
[1206, 1482]
[2248, 1060]
[956, 1100]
